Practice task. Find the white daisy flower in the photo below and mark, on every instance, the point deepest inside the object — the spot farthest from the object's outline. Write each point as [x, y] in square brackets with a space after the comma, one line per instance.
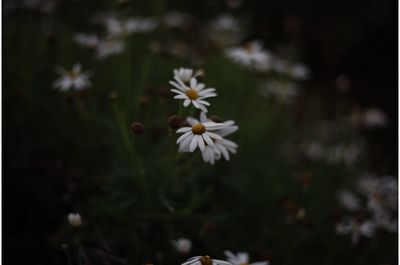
[74, 79]
[87, 40]
[284, 91]
[199, 135]
[224, 30]
[109, 46]
[241, 258]
[356, 229]
[251, 55]
[205, 260]
[195, 93]
[297, 71]
[182, 245]
[349, 200]
[184, 75]
[75, 219]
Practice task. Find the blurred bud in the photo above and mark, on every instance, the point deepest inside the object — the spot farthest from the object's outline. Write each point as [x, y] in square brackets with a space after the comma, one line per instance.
[175, 122]
[64, 246]
[182, 245]
[289, 206]
[301, 213]
[208, 227]
[51, 38]
[113, 95]
[137, 128]
[266, 254]
[215, 119]
[155, 47]
[233, 4]
[75, 220]
[144, 100]
[165, 93]
[123, 3]
[305, 179]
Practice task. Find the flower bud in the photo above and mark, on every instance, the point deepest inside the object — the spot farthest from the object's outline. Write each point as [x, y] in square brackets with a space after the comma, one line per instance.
[175, 122]
[137, 128]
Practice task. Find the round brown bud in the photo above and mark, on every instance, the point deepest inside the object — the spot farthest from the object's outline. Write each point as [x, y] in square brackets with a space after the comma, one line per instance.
[144, 100]
[215, 119]
[137, 128]
[175, 122]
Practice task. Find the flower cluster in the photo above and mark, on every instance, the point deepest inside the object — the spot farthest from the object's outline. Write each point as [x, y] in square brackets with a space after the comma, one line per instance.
[204, 133]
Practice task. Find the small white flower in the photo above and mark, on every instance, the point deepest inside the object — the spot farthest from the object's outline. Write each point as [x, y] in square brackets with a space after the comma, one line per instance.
[184, 75]
[251, 55]
[175, 19]
[195, 93]
[375, 118]
[139, 25]
[313, 150]
[109, 46]
[205, 260]
[241, 258]
[74, 79]
[224, 30]
[182, 245]
[297, 71]
[90, 41]
[198, 135]
[284, 91]
[349, 200]
[356, 229]
[75, 219]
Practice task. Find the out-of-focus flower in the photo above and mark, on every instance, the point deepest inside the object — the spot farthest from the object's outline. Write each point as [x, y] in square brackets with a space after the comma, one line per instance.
[198, 135]
[75, 79]
[75, 219]
[241, 258]
[251, 55]
[284, 91]
[349, 200]
[182, 245]
[175, 19]
[297, 71]
[90, 41]
[356, 229]
[313, 150]
[195, 93]
[205, 260]
[109, 46]
[184, 75]
[370, 118]
[224, 31]
[233, 4]
[120, 28]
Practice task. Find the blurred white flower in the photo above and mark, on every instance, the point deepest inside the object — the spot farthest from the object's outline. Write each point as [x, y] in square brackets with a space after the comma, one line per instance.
[375, 118]
[205, 260]
[349, 200]
[297, 71]
[313, 150]
[90, 41]
[241, 258]
[356, 229]
[251, 55]
[199, 135]
[224, 30]
[284, 91]
[109, 46]
[121, 28]
[184, 75]
[195, 93]
[75, 79]
[343, 82]
[182, 245]
[175, 19]
[75, 219]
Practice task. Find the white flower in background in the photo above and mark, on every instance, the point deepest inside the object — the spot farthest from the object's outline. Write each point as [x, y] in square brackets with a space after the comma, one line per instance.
[184, 75]
[199, 135]
[175, 19]
[195, 93]
[356, 229]
[90, 41]
[241, 258]
[205, 260]
[251, 55]
[182, 245]
[375, 118]
[139, 25]
[284, 91]
[75, 219]
[297, 71]
[224, 30]
[75, 79]
[313, 150]
[349, 200]
[109, 46]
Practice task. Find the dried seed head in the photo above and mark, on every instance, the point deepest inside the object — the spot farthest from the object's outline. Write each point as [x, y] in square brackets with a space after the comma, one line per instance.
[144, 100]
[137, 128]
[175, 122]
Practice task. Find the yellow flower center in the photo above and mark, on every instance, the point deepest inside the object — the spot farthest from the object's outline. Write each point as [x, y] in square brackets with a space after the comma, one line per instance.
[198, 128]
[192, 94]
[73, 74]
[205, 260]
